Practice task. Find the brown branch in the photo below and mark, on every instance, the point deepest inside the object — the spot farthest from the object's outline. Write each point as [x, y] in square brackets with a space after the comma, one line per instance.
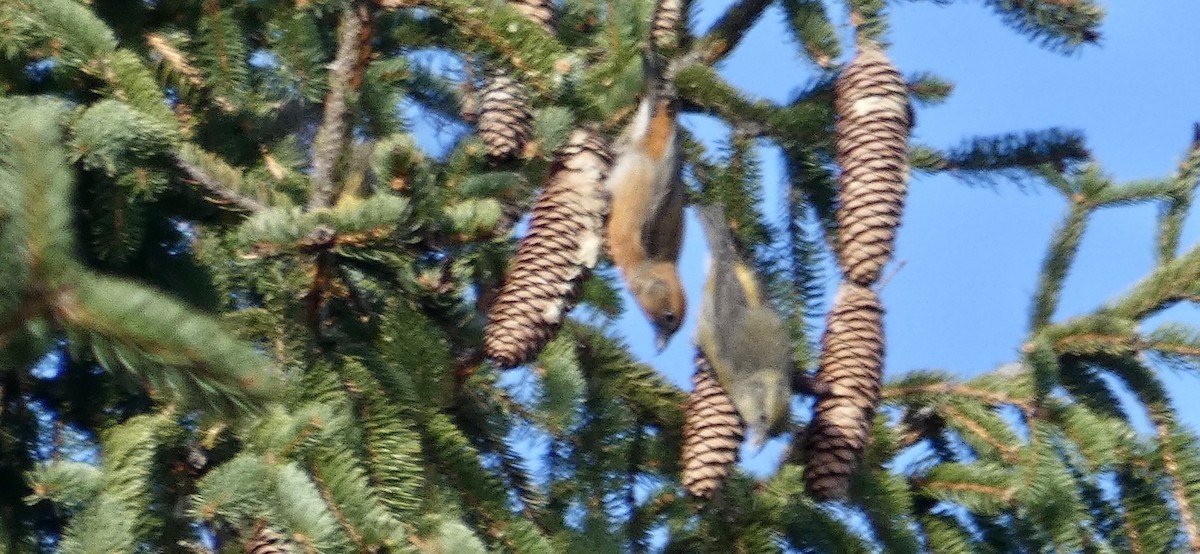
[908, 436]
[338, 514]
[992, 398]
[365, 34]
[1135, 538]
[1134, 343]
[1064, 344]
[1005, 493]
[331, 136]
[216, 187]
[1007, 451]
[1178, 492]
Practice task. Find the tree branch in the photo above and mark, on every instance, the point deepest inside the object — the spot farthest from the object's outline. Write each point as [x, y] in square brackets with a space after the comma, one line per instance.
[331, 136]
[728, 31]
[216, 187]
[1057, 263]
[1178, 491]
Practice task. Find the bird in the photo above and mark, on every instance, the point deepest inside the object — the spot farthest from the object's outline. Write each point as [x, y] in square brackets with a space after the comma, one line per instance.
[742, 336]
[645, 225]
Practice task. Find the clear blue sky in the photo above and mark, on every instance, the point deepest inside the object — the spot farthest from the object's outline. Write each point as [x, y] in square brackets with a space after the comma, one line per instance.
[971, 255]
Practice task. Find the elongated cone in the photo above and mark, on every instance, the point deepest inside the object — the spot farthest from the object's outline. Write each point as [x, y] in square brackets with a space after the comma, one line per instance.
[664, 28]
[566, 233]
[503, 120]
[851, 368]
[541, 12]
[871, 134]
[268, 541]
[712, 432]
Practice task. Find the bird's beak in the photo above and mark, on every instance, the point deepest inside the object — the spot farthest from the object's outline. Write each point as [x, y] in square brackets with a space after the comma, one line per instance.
[758, 439]
[661, 341]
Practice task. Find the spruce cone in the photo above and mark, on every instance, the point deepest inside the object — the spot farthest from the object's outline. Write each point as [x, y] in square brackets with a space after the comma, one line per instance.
[872, 149]
[504, 121]
[851, 368]
[538, 11]
[566, 233]
[712, 432]
[268, 541]
[664, 28]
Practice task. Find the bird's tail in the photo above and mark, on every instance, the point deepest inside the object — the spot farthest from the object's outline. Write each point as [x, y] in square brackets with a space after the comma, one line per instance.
[716, 230]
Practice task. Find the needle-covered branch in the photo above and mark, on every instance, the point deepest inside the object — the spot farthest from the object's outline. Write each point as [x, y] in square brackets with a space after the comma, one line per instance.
[1014, 156]
[811, 28]
[1061, 25]
[1058, 261]
[729, 30]
[193, 163]
[1171, 216]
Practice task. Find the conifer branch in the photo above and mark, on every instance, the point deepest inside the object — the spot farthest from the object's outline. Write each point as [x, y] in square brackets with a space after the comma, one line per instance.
[1058, 262]
[1007, 451]
[1162, 428]
[993, 398]
[728, 31]
[331, 136]
[1171, 218]
[1174, 281]
[217, 188]
[331, 503]
[1131, 532]
[637, 543]
[1061, 25]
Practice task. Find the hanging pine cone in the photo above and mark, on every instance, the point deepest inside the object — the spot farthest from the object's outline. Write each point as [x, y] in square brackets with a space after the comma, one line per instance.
[664, 28]
[504, 121]
[538, 11]
[268, 541]
[851, 369]
[546, 275]
[712, 432]
[871, 134]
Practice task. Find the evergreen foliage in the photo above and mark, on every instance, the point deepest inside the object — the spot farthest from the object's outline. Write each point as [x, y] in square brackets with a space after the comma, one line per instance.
[241, 308]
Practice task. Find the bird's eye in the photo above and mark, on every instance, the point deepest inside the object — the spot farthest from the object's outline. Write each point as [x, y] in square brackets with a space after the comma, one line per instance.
[668, 318]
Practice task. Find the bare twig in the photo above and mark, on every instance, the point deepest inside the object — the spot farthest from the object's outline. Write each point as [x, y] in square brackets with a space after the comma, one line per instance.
[331, 136]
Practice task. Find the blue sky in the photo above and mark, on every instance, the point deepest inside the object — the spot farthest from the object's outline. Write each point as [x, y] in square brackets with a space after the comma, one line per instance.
[971, 255]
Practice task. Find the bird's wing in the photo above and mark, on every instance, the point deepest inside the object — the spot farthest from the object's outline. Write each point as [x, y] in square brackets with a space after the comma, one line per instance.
[731, 283]
[662, 232]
